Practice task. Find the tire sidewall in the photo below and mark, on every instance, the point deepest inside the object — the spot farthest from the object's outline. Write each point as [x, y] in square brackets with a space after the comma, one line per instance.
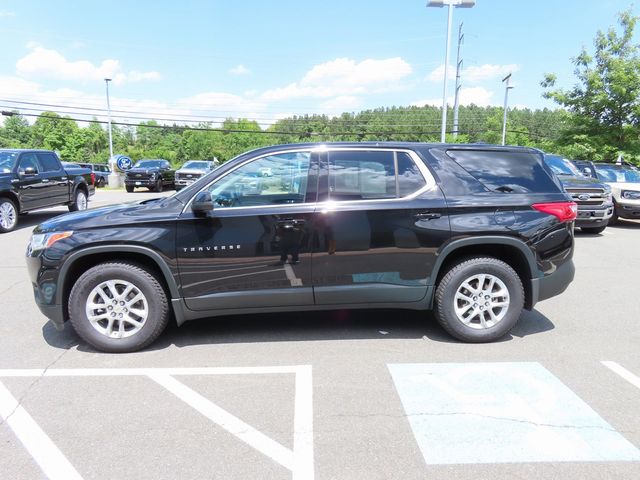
[101, 273]
[445, 311]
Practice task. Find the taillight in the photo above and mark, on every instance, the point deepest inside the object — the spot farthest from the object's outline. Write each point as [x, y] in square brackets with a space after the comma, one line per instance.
[563, 211]
[93, 178]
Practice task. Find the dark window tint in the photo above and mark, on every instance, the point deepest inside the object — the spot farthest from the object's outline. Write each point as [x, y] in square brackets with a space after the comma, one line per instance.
[503, 171]
[49, 162]
[361, 175]
[409, 177]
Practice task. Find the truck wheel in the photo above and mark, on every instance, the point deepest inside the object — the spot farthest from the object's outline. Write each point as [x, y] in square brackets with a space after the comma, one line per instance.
[129, 189]
[118, 307]
[479, 299]
[79, 201]
[593, 230]
[159, 185]
[100, 183]
[8, 215]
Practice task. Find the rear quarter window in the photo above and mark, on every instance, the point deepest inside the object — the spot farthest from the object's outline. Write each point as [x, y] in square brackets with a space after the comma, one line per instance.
[505, 171]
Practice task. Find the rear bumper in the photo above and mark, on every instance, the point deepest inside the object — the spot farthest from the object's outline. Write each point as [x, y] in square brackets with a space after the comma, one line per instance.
[552, 284]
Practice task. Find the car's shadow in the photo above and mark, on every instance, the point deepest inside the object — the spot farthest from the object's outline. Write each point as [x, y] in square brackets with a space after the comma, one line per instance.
[34, 218]
[307, 326]
[625, 225]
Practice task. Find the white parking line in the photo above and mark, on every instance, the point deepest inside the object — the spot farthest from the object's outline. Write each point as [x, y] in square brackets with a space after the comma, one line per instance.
[623, 372]
[50, 459]
[299, 460]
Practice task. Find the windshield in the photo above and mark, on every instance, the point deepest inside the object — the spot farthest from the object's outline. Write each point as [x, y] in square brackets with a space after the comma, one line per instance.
[617, 174]
[200, 165]
[7, 161]
[561, 166]
[148, 163]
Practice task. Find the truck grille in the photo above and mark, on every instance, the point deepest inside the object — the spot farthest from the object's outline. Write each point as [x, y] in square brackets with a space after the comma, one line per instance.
[588, 196]
[188, 176]
[136, 176]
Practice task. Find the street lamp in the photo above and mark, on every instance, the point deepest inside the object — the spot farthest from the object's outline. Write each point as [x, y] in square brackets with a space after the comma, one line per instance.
[451, 4]
[507, 87]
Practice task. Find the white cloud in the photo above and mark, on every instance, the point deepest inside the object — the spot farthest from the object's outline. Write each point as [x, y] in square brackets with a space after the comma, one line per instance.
[240, 70]
[344, 77]
[487, 72]
[474, 73]
[42, 62]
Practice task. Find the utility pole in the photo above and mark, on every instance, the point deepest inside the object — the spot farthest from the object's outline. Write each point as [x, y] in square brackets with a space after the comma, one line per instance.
[456, 103]
[507, 87]
[114, 178]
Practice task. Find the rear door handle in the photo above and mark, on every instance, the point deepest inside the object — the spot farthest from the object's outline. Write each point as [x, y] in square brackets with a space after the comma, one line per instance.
[427, 216]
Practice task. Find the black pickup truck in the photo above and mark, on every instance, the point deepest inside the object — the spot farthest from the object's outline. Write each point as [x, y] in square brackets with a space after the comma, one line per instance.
[34, 179]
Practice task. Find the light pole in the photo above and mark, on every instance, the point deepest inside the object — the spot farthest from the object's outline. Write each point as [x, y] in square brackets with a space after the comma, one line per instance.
[507, 87]
[114, 178]
[451, 4]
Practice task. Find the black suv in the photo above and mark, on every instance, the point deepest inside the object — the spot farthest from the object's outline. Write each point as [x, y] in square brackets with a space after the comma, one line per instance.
[153, 174]
[476, 233]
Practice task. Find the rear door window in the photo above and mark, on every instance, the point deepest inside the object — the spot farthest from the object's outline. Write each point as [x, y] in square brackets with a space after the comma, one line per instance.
[49, 162]
[370, 175]
[505, 171]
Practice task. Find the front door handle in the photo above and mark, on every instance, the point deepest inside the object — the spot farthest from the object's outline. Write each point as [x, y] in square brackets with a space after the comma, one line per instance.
[427, 216]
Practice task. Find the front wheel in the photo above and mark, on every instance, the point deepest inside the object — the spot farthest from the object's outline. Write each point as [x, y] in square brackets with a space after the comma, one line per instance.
[8, 215]
[479, 299]
[118, 307]
[79, 201]
[129, 189]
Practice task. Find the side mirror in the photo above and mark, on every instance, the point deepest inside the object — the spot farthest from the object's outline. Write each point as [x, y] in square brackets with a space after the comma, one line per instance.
[202, 203]
[29, 172]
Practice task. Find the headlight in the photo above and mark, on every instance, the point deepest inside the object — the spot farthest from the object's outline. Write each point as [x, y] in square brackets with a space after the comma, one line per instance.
[153, 175]
[41, 241]
[631, 195]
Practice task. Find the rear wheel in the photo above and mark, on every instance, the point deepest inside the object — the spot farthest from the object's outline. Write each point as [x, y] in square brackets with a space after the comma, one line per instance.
[118, 307]
[8, 215]
[479, 299]
[79, 202]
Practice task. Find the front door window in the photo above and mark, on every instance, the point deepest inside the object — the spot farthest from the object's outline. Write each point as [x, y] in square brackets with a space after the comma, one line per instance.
[274, 180]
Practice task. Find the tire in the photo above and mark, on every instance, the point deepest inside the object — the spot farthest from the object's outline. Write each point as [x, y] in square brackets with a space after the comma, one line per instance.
[159, 186]
[80, 201]
[8, 215]
[177, 188]
[474, 326]
[129, 189]
[100, 183]
[151, 307]
[593, 230]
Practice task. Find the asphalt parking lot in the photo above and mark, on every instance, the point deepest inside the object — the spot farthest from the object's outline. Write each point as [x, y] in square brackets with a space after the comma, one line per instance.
[332, 395]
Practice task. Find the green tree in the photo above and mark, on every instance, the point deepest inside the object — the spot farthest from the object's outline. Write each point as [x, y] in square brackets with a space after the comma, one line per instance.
[605, 102]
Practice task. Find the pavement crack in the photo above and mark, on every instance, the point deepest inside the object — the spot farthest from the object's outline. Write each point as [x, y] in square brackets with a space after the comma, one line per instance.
[33, 384]
[491, 417]
[11, 286]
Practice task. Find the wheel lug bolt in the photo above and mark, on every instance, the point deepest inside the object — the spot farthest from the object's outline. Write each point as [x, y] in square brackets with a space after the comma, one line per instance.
[481, 307]
[475, 305]
[475, 298]
[109, 307]
[121, 303]
[113, 314]
[120, 316]
[115, 302]
[486, 297]
[486, 304]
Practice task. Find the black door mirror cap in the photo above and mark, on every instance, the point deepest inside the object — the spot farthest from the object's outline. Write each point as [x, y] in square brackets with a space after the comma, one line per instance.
[29, 172]
[202, 203]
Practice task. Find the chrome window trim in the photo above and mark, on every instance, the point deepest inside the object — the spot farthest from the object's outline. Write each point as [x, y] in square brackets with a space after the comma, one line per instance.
[430, 181]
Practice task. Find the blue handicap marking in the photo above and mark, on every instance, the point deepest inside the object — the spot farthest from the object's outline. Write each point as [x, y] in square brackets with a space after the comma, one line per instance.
[502, 413]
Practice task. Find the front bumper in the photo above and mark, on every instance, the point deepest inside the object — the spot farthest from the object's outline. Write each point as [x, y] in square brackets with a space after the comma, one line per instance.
[144, 182]
[44, 281]
[554, 283]
[626, 208]
[594, 217]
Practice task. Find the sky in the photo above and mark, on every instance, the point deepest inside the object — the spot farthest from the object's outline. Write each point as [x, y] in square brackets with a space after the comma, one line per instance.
[265, 60]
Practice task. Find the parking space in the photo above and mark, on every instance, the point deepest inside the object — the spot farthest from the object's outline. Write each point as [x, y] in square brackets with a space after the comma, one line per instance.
[347, 394]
